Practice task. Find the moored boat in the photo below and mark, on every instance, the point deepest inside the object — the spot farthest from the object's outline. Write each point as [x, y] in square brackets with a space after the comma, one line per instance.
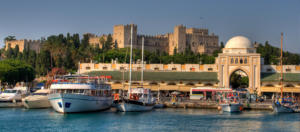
[12, 97]
[38, 99]
[70, 97]
[231, 103]
[140, 99]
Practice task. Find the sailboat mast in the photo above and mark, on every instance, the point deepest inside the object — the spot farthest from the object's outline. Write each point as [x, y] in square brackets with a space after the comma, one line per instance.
[281, 74]
[130, 65]
[142, 73]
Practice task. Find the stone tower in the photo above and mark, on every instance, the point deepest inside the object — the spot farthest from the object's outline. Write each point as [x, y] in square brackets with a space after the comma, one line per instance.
[178, 40]
[122, 34]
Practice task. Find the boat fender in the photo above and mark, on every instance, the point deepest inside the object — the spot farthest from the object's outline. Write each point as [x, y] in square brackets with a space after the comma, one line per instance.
[219, 108]
[241, 108]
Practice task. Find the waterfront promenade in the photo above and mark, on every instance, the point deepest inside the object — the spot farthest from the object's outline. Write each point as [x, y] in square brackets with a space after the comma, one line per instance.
[185, 102]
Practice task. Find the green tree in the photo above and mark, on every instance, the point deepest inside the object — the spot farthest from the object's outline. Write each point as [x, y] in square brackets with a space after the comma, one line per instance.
[13, 71]
[9, 38]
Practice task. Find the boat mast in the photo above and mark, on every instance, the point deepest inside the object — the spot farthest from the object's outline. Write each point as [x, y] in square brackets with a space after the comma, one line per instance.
[142, 73]
[281, 74]
[130, 63]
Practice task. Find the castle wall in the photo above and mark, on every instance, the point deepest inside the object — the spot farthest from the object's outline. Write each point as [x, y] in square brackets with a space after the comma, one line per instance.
[122, 35]
[95, 41]
[23, 44]
[203, 44]
[153, 43]
[198, 40]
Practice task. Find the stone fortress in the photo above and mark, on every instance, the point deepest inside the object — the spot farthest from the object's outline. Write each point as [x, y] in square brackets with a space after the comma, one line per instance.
[23, 44]
[198, 40]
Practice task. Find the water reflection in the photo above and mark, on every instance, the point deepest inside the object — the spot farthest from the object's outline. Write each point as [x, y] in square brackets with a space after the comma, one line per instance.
[156, 120]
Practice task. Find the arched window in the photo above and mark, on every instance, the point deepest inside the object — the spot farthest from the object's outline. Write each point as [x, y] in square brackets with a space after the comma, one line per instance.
[236, 60]
[269, 85]
[245, 61]
[241, 61]
[289, 85]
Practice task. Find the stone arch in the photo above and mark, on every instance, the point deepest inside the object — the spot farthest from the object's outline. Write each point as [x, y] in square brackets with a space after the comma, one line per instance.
[245, 71]
[135, 83]
[117, 82]
[171, 83]
[269, 85]
[289, 85]
[208, 84]
[153, 83]
[190, 84]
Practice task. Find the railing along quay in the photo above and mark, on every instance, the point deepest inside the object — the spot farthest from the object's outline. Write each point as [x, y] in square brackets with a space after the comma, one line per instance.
[185, 102]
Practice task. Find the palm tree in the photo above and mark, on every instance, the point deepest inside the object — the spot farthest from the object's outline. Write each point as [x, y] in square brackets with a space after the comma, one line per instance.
[9, 38]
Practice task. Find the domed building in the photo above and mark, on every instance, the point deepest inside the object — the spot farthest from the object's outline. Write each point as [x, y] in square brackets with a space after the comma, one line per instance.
[239, 57]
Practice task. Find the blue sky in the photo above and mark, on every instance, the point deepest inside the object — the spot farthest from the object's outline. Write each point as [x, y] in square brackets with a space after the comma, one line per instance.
[259, 20]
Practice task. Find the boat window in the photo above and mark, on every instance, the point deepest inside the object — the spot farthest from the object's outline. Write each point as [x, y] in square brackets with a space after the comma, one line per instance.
[93, 93]
[10, 91]
[81, 90]
[39, 94]
[87, 92]
[197, 92]
[69, 91]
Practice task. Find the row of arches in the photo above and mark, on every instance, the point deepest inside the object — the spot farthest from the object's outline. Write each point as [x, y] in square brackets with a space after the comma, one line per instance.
[169, 83]
[286, 85]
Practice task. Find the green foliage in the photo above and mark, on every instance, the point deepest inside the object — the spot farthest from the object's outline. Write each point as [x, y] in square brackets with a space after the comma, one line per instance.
[271, 55]
[9, 38]
[238, 81]
[13, 71]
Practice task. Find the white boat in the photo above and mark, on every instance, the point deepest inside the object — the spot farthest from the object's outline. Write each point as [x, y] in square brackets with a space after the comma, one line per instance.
[69, 97]
[38, 99]
[140, 99]
[231, 104]
[12, 97]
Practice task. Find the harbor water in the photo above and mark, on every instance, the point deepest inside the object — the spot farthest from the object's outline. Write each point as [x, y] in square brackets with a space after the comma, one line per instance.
[28, 120]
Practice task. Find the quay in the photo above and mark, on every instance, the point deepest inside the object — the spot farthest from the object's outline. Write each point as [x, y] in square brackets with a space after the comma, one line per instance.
[214, 105]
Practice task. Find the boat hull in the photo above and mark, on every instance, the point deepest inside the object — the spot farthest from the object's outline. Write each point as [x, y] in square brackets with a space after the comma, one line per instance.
[10, 103]
[133, 107]
[278, 108]
[71, 103]
[231, 107]
[39, 103]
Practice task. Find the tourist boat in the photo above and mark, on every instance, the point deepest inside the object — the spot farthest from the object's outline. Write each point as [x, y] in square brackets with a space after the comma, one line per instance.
[12, 97]
[83, 94]
[231, 103]
[38, 99]
[137, 99]
[280, 105]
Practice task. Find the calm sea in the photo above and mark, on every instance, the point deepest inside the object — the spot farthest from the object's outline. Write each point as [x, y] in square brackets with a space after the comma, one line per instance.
[171, 120]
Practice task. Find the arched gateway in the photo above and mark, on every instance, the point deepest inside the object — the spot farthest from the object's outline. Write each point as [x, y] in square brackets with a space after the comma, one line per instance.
[239, 54]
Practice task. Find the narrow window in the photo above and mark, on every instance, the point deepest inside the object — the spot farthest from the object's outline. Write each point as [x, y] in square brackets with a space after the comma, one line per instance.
[236, 60]
[245, 61]
[241, 61]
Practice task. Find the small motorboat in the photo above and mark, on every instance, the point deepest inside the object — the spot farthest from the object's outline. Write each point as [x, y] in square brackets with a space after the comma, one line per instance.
[38, 99]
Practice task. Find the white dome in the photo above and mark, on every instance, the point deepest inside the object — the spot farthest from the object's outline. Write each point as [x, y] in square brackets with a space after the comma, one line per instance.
[239, 42]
